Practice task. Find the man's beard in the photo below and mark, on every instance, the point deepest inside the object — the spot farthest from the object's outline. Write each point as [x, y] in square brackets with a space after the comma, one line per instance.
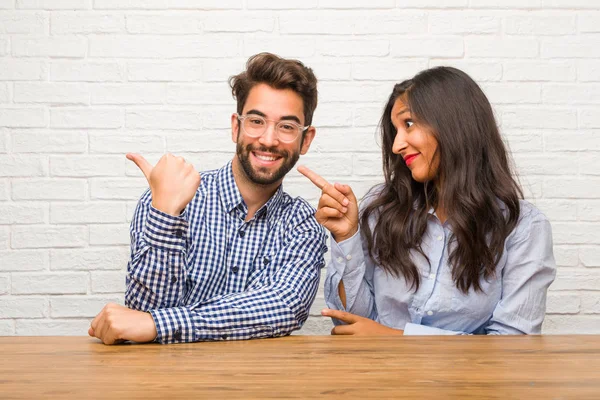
[265, 178]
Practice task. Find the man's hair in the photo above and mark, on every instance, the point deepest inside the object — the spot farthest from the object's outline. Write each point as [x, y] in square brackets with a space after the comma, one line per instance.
[279, 73]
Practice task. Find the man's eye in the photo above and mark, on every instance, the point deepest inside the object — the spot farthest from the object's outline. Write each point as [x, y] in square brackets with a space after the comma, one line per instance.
[256, 121]
[287, 127]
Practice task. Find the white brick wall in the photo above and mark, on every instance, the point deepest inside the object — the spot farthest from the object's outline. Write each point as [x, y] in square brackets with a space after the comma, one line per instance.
[84, 81]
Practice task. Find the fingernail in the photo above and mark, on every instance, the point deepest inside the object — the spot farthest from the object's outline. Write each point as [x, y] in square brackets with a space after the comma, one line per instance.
[345, 202]
[344, 210]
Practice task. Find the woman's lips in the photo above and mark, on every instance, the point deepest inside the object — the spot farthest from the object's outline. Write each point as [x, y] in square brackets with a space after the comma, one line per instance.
[410, 158]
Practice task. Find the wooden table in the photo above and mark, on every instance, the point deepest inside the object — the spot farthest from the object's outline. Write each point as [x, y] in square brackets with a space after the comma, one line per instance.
[509, 367]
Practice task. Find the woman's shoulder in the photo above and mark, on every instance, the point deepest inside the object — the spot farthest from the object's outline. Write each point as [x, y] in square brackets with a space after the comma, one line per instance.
[530, 219]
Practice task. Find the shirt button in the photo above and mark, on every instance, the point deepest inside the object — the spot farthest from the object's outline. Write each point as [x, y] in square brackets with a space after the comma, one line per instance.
[173, 279]
[242, 234]
[440, 238]
[429, 312]
[177, 334]
[348, 257]
[431, 276]
[224, 337]
[266, 260]
[235, 269]
[178, 234]
[340, 260]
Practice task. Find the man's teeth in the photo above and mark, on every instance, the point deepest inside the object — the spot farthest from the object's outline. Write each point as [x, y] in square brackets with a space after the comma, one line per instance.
[265, 158]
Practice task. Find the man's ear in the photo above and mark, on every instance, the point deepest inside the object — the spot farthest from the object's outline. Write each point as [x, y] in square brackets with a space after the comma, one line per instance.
[308, 138]
[235, 127]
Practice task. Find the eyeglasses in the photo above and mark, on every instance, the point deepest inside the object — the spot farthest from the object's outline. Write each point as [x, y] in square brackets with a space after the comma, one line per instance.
[255, 126]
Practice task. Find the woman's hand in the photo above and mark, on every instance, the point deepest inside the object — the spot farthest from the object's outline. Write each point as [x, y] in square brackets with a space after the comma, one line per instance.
[358, 325]
[338, 209]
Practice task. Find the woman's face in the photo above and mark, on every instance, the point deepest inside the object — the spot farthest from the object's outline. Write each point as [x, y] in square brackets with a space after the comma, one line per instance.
[414, 143]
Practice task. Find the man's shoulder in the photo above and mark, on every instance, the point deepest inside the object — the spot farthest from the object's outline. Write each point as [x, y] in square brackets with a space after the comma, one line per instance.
[296, 209]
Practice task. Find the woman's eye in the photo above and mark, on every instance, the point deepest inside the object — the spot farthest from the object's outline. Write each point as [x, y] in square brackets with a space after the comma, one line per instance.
[409, 123]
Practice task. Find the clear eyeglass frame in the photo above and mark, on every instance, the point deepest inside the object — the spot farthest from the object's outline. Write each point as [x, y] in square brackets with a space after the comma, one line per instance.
[283, 134]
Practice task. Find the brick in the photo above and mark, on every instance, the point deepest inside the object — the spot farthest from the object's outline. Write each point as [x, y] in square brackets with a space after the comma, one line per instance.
[354, 47]
[566, 256]
[480, 71]
[4, 237]
[219, 70]
[590, 303]
[23, 117]
[589, 118]
[24, 260]
[131, 4]
[281, 5]
[7, 4]
[55, 327]
[20, 70]
[23, 307]
[188, 46]
[217, 117]
[210, 93]
[367, 165]
[532, 187]
[500, 47]
[164, 24]
[80, 306]
[206, 4]
[50, 283]
[557, 210]
[513, 93]
[87, 23]
[351, 4]
[587, 70]
[571, 324]
[67, 47]
[23, 213]
[89, 259]
[432, 4]
[540, 24]
[570, 47]
[176, 71]
[205, 161]
[7, 327]
[330, 69]
[576, 279]
[569, 141]
[586, 93]
[75, 71]
[541, 164]
[438, 46]
[345, 139]
[4, 287]
[251, 22]
[283, 46]
[21, 166]
[108, 282]
[117, 189]
[590, 256]
[86, 166]
[539, 71]
[3, 46]
[54, 4]
[588, 21]
[202, 141]
[4, 189]
[108, 235]
[86, 118]
[28, 237]
[133, 170]
[354, 92]
[3, 142]
[333, 115]
[589, 164]
[538, 118]
[125, 143]
[4, 93]
[12, 22]
[54, 93]
[164, 119]
[49, 189]
[84, 213]
[463, 22]
[587, 210]
[563, 303]
[570, 4]
[55, 141]
[527, 4]
[572, 188]
[340, 163]
[524, 141]
[575, 233]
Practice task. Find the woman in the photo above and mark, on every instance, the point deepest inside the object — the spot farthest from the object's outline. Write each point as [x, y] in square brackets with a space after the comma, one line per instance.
[446, 245]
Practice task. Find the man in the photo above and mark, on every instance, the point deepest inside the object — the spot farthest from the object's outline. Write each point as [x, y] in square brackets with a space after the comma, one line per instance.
[227, 254]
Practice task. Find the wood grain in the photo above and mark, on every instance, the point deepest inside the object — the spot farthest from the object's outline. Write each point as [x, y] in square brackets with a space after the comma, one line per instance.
[299, 367]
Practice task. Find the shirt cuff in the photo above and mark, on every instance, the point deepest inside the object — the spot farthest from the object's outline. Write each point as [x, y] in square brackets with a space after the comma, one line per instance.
[165, 231]
[346, 255]
[173, 325]
[422, 330]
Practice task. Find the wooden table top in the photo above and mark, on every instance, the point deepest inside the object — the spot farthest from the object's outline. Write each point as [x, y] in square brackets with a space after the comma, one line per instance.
[442, 367]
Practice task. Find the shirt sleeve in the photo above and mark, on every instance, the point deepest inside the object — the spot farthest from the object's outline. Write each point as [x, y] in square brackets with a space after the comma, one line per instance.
[273, 306]
[156, 269]
[351, 265]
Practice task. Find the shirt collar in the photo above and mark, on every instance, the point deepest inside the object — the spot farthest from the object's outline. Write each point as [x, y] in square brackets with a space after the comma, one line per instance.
[232, 198]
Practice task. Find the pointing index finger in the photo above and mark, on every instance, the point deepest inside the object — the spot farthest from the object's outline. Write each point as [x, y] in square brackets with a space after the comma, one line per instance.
[315, 178]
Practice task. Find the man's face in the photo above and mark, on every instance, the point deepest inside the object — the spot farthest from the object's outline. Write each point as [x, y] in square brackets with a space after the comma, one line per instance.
[266, 160]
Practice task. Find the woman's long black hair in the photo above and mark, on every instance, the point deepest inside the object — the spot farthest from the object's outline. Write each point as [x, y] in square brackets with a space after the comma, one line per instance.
[473, 181]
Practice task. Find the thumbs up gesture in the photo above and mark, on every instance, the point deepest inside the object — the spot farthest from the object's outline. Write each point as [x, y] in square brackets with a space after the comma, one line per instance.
[173, 182]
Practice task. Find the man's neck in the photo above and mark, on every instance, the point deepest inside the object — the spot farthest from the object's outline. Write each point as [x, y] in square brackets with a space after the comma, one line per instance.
[254, 195]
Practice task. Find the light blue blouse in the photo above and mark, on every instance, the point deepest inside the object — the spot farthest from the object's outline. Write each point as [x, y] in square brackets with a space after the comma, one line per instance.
[513, 302]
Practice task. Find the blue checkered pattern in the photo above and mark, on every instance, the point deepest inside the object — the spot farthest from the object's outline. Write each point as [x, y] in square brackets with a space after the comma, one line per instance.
[210, 275]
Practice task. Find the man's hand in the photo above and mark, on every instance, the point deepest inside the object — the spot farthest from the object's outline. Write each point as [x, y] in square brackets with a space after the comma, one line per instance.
[173, 182]
[115, 324]
[358, 325]
[338, 209]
